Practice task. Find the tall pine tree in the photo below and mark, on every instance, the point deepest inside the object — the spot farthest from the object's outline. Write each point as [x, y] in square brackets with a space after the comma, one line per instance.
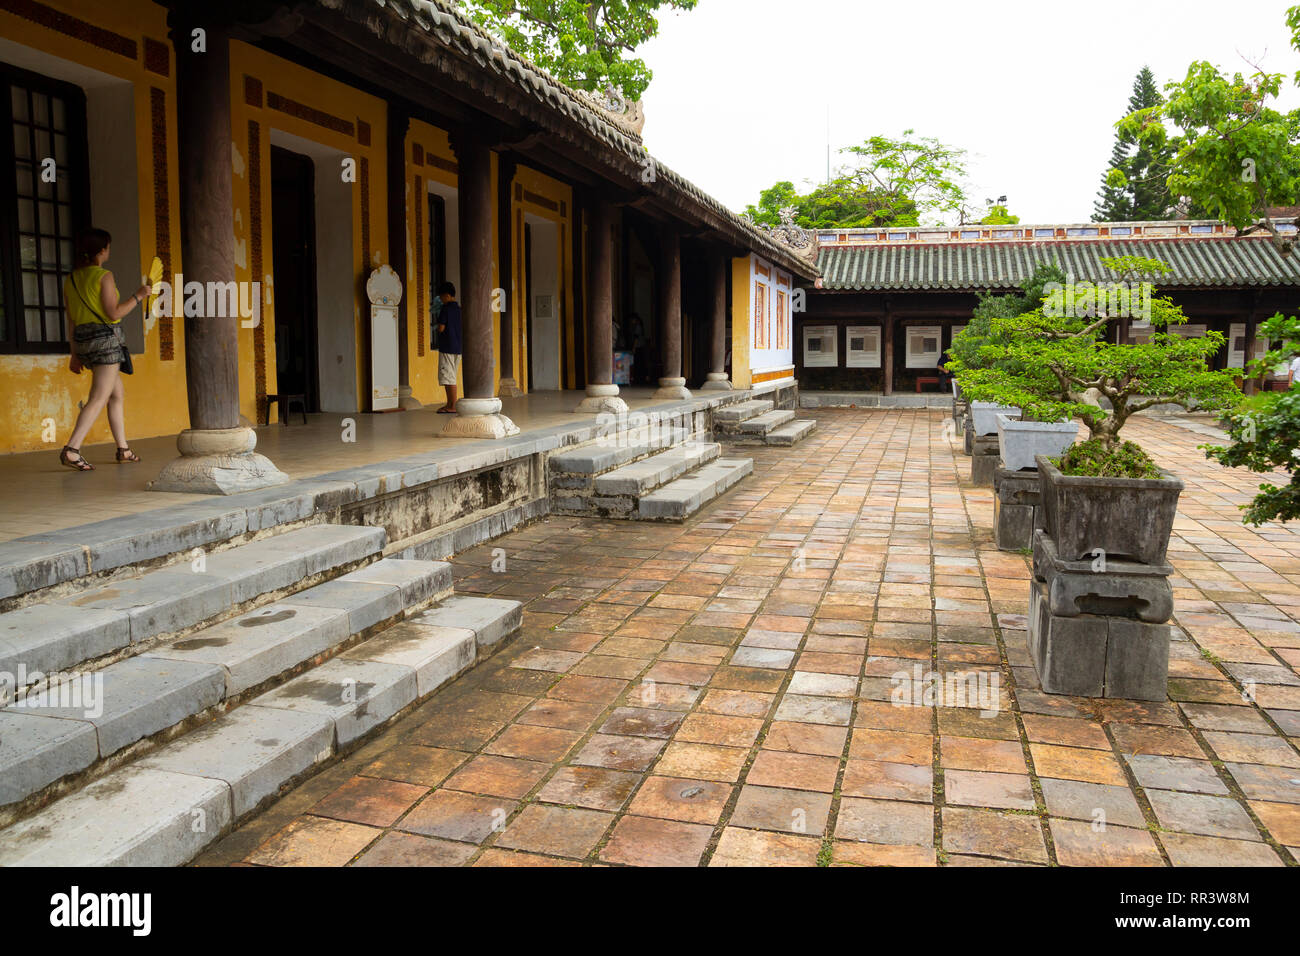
[1145, 196]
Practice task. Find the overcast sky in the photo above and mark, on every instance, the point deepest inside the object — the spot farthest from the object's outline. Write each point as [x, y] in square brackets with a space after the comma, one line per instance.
[1030, 89]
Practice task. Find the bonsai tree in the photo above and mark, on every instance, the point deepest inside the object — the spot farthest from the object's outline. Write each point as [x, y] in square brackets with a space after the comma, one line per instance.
[1265, 430]
[965, 350]
[1055, 363]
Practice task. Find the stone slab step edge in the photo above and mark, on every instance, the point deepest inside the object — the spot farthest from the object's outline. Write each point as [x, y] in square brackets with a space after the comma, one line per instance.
[791, 432]
[235, 764]
[72, 630]
[161, 690]
[641, 477]
[680, 499]
[734, 414]
[588, 461]
[762, 424]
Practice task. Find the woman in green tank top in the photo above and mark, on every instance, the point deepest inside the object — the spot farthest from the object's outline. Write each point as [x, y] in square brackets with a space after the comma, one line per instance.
[95, 312]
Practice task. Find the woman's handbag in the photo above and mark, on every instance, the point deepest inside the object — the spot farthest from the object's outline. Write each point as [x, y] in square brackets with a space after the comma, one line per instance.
[125, 366]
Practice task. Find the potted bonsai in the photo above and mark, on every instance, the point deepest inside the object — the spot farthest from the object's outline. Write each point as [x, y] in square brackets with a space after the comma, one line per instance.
[1056, 363]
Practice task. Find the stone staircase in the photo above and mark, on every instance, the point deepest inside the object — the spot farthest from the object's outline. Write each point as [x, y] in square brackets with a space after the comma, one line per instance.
[659, 474]
[145, 716]
[757, 422]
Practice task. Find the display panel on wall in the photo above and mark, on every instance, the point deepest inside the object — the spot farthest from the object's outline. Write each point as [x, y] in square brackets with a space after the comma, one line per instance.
[862, 346]
[820, 346]
[923, 346]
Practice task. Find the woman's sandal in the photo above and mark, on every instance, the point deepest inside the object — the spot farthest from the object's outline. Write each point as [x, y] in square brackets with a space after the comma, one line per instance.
[126, 454]
[79, 463]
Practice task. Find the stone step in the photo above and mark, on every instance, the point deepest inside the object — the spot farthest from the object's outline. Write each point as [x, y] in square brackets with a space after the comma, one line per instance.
[175, 682]
[650, 473]
[680, 499]
[762, 424]
[164, 809]
[104, 619]
[791, 432]
[604, 454]
[734, 414]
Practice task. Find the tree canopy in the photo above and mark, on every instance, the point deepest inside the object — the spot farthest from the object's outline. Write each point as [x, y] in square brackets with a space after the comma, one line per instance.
[588, 45]
[1144, 166]
[888, 182]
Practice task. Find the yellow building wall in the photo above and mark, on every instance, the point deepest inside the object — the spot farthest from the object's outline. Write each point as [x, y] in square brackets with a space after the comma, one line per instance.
[42, 396]
[741, 319]
[276, 94]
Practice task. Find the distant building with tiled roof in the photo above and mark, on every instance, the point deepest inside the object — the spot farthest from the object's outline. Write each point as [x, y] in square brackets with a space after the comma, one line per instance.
[889, 300]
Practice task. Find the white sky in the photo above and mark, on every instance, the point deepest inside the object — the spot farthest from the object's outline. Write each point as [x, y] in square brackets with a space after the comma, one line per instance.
[1030, 89]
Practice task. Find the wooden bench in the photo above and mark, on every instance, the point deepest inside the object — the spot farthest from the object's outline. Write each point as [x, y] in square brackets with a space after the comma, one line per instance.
[927, 380]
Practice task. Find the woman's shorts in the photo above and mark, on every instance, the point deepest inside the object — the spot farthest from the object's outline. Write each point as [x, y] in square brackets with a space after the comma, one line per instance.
[448, 363]
[98, 344]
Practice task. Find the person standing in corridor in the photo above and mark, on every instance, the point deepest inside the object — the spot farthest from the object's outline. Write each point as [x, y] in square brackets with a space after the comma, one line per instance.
[449, 345]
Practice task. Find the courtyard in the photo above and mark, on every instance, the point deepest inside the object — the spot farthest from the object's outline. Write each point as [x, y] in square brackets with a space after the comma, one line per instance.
[780, 681]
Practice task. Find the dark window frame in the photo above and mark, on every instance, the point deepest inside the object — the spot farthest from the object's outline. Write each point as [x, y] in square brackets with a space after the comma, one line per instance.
[13, 327]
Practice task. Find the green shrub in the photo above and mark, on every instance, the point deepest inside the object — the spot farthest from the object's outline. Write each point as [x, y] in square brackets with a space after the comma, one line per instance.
[1095, 460]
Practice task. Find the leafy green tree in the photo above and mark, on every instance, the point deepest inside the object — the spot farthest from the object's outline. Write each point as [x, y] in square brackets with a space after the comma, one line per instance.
[1265, 430]
[968, 343]
[588, 45]
[1233, 155]
[999, 216]
[1144, 165]
[1055, 361]
[892, 182]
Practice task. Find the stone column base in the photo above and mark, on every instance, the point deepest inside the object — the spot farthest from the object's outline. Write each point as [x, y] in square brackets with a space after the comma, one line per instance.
[218, 462]
[601, 399]
[509, 388]
[479, 418]
[672, 388]
[717, 382]
[406, 400]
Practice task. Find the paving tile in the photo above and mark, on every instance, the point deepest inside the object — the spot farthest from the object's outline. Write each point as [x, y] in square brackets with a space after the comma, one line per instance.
[558, 831]
[1275, 784]
[595, 788]
[719, 729]
[973, 788]
[679, 798]
[1282, 820]
[1176, 773]
[1077, 763]
[619, 753]
[534, 743]
[793, 771]
[739, 847]
[314, 841]
[885, 821]
[496, 776]
[891, 746]
[701, 760]
[457, 816]
[644, 841]
[410, 763]
[993, 833]
[772, 808]
[1083, 844]
[797, 737]
[1186, 849]
[1102, 803]
[888, 781]
[845, 853]
[407, 849]
[641, 722]
[1252, 748]
[1201, 813]
[376, 803]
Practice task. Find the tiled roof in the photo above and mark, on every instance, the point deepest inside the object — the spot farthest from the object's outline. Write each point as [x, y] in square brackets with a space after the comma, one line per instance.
[1211, 262]
[451, 29]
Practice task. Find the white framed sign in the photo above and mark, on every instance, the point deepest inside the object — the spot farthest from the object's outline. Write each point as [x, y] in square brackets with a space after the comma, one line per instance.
[1237, 345]
[862, 346]
[820, 346]
[923, 346]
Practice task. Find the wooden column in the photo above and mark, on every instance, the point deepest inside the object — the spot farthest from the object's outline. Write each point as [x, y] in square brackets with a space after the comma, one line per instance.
[669, 276]
[602, 393]
[207, 222]
[1250, 383]
[478, 413]
[717, 376]
[217, 451]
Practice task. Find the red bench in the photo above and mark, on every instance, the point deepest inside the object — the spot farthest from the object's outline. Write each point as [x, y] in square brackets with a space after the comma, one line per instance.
[927, 380]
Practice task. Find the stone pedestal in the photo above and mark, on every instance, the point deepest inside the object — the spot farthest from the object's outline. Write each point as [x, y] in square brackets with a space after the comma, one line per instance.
[509, 388]
[1098, 628]
[479, 418]
[218, 462]
[985, 459]
[1015, 508]
[406, 400]
[717, 382]
[672, 388]
[602, 399]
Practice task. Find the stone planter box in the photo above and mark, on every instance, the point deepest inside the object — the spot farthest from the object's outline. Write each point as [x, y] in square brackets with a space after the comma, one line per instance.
[1022, 442]
[985, 416]
[1130, 519]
